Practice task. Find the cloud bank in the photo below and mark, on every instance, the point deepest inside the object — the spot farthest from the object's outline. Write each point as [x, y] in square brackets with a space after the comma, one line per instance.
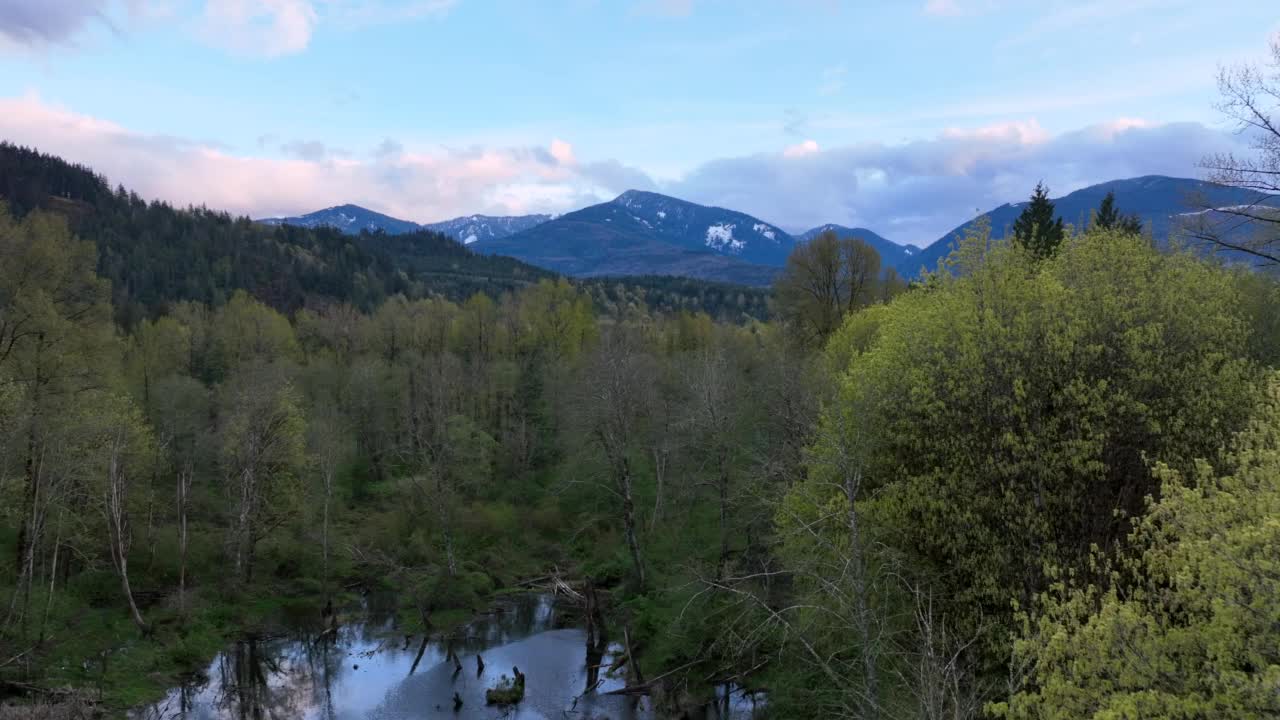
[910, 192]
[411, 183]
[917, 191]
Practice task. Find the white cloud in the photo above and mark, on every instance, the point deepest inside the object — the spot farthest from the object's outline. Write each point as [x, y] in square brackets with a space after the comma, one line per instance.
[271, 28]
[267, 28]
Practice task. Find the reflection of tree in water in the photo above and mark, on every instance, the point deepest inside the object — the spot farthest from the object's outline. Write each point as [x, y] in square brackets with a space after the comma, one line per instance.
[260, 682]
[516, 620]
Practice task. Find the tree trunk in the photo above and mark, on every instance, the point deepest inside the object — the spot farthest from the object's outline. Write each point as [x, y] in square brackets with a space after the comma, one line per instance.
[448, 550]
[659, 473]
[324, 531]
[28, 534]
[184, 485]
[244, 525]
[862, 612]
[118, 523]
[629, 521]
[128, 593]
[723, 487]
[53, 577]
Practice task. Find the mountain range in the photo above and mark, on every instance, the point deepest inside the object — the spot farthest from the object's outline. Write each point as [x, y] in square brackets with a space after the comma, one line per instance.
[646, 233]
[353, 219]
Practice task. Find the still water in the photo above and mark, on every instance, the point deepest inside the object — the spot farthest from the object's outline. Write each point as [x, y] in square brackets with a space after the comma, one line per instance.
[369, 671]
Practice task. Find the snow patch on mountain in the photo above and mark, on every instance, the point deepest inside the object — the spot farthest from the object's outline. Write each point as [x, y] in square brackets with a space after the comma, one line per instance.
[765, 230]
[720, 236]
[1226, 209]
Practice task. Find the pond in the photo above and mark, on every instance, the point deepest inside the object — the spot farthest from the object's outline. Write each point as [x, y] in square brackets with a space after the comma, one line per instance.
[370, 671]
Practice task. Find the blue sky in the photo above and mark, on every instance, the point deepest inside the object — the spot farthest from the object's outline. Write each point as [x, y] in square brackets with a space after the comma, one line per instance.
[901, 116]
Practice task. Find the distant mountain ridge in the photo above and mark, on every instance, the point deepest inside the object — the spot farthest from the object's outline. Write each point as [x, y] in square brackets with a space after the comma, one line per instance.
[892, 254]
[353, 219]
[1163, 203]
[474, 228]
[642, 232]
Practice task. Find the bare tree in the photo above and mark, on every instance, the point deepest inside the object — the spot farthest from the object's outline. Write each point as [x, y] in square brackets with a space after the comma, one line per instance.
[615, 403]
[1251, 100]
[330, 446]
[711, 418]
[179, 412]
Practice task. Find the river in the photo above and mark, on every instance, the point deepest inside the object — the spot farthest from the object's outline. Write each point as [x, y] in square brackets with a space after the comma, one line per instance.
[369, 671]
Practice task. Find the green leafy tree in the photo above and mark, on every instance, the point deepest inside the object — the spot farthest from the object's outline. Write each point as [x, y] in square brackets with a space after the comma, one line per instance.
[1005, 418]
[263, 445]
[247, 331]
[1187, 624]
[1036, 229]
[56, 340]
[557, 319]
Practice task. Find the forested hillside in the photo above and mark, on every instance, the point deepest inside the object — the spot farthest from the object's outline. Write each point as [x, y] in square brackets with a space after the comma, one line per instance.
[156, 255]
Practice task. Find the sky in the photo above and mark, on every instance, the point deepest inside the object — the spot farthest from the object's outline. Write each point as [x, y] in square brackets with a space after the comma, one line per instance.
[903, 116]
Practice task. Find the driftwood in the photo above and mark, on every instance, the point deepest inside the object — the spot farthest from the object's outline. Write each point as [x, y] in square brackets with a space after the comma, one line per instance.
[644, 688]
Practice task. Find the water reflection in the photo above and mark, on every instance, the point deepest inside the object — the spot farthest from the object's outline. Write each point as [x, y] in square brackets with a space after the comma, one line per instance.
[368, 671]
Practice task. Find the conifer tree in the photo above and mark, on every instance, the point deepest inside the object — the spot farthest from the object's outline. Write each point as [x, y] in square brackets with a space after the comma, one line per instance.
[1037, 229]
[1109, 217]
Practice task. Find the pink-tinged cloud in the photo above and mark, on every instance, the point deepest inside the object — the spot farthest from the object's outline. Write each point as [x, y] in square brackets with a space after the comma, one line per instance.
[808, 147]
[420, 185]
[941, 7]
[1022, 132]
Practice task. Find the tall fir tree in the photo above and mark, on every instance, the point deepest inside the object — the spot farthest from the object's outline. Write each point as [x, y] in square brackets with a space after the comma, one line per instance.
[1109, 217]
[1036, 228]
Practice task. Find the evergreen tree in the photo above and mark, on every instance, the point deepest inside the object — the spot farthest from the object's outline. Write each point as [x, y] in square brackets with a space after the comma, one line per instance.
[1109, 217]
[1037, 229]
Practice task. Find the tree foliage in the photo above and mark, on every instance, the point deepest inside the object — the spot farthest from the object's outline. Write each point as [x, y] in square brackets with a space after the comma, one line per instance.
[1005, 418]
[1185, 623]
